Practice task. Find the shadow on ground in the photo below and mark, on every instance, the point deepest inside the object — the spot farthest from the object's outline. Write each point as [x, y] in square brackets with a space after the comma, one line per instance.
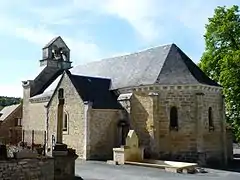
[233, 166]
[78, 178]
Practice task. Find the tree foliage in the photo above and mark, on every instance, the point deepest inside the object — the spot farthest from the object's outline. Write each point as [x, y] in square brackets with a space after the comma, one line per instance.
[7, 101]
[221, 59]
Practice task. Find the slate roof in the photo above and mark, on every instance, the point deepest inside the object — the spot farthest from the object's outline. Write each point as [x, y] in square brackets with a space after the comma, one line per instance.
[95, 90]
[165, 65]
[52, 41]
[8, 110]
[47, 76]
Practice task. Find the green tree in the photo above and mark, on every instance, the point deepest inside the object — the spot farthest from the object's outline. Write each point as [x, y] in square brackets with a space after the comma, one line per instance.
[221, 59]
[7, 101]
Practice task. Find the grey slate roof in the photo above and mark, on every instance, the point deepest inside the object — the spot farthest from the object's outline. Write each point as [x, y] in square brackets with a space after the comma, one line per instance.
[166, 65]
[6, 111]
[95, 90]
[47, 76]
[52, 41]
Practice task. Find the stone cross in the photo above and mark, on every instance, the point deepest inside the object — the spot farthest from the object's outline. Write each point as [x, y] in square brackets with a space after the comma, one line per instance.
[60, 120]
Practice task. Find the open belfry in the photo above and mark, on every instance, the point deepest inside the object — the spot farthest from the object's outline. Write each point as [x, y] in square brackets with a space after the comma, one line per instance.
[176, 111]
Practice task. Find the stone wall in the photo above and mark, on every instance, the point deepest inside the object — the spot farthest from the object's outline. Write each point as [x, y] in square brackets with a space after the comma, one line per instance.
[229, 144]
[103, 133]
[34, 120]
[150, 117]
[42, 169]
[34, 115]
[213, 140]
[74, 107]
[9, 132]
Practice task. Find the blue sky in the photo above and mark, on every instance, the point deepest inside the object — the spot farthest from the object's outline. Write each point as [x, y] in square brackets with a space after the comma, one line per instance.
[95, 29]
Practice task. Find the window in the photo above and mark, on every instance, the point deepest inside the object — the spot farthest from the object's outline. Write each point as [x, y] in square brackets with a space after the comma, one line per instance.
[61, 93]
[173, 118]
[65, 122]
[17, 122]
[210, 119]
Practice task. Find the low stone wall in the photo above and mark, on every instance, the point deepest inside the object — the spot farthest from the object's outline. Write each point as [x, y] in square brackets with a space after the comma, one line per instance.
[41, 169]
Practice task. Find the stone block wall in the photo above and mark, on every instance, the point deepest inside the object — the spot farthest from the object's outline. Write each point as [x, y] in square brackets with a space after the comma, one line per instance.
[229, 144]
[141, 117]
[34, 119]
[150, 117]
[74, 137]
[9, 124]
[42, 169]
[103, 133]
[213, 139]
[34, 111]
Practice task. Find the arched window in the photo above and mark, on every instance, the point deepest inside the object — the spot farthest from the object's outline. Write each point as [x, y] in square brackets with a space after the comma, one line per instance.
[174, 118]
[210, 118]
[65, 122]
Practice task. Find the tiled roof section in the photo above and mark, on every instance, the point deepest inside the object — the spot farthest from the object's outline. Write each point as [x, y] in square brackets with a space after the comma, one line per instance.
[196, 72]
[45, 94]
[95, 90]
[129, 70]
[178, 68]
[6, 111]
[53, 40]
[166, 65]
[48, 91]
[47, 76]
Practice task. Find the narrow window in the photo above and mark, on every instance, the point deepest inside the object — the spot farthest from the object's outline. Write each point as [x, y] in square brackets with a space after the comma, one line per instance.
[173, 118]
[19, 122]
[210, 119]
[60, 93]
[65, 122]
[16, 122]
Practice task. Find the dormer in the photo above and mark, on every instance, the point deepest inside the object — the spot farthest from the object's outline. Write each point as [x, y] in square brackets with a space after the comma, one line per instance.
[56, 53]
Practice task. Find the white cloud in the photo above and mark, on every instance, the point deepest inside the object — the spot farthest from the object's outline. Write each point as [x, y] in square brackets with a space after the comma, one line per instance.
[149, 17]
[142, 15]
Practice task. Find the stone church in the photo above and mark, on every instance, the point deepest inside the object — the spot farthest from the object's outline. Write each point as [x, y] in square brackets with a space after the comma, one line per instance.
[177, 111]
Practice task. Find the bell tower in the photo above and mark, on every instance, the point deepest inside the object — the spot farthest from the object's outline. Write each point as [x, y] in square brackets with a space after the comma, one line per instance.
[56, 60]
[56, 54]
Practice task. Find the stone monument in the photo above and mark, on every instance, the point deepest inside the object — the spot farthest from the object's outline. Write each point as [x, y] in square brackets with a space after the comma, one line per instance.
[130, 152]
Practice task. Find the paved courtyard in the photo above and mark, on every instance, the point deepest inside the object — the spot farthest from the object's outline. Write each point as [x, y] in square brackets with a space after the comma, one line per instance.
[92, 170]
